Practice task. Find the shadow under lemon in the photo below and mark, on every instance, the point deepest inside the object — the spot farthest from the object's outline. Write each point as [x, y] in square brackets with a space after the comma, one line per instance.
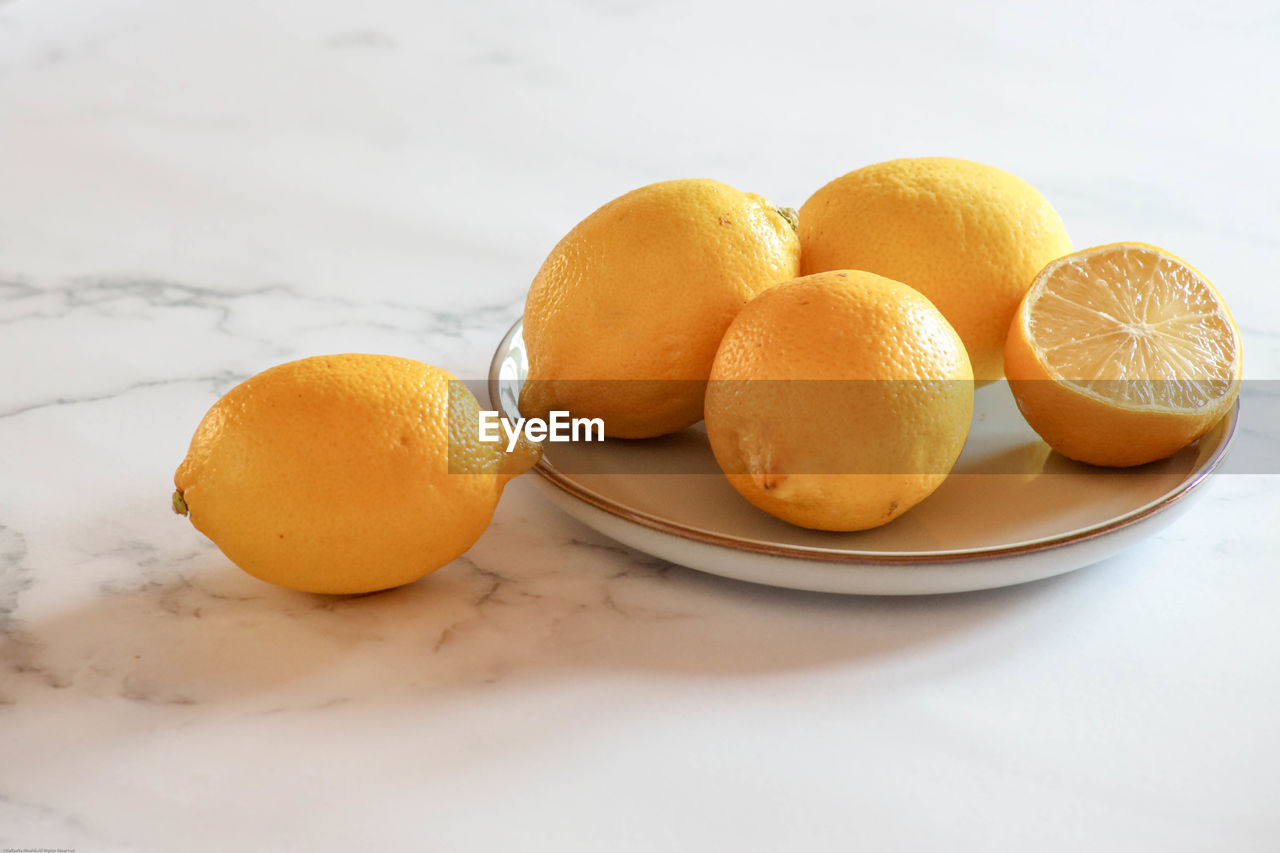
[538, 597]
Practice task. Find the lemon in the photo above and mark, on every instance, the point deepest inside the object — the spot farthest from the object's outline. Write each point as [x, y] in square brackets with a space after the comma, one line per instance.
[1122, 354]
[968, 236]
[344, 473]
[839, 400]
[623, 319]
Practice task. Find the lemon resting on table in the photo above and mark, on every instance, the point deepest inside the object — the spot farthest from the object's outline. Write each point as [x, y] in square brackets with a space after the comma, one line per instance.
[344, 473]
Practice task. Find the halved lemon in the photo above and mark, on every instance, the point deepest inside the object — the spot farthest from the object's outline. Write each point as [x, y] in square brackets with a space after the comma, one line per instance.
[1122, 354]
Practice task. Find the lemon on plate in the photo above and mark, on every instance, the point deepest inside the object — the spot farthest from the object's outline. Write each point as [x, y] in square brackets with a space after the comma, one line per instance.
[1122, 354]
[968, 236]
[838, 401]
[623, 319]
[344, 473]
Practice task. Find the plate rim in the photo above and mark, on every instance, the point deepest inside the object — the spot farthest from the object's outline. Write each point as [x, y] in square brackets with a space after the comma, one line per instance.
[850, 556]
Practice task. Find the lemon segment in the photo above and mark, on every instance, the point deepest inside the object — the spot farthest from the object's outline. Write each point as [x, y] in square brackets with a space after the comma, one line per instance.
[1122, 354]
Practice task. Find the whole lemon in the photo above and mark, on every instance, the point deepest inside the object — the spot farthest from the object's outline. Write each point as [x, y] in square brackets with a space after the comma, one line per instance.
[969, 236]
[623, 319]
[344, 473]
[838, 401]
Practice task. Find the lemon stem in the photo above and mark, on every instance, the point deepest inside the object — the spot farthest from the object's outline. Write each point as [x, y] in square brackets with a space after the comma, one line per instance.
[179, 505]
[789, 214]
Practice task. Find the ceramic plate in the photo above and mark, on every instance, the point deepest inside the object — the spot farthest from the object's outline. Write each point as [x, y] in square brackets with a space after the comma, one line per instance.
[1012, 511]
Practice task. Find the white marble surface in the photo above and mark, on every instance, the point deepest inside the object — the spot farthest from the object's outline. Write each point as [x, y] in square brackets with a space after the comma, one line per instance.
[190, 192]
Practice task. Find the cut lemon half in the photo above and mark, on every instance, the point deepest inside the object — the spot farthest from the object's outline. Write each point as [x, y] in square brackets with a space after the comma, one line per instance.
[1122, 354]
